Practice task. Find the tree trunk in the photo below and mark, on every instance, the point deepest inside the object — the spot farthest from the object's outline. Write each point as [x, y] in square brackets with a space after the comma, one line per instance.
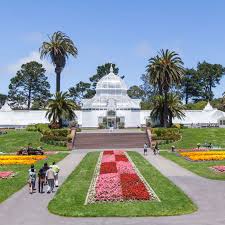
[170, 120]
[29, 99]
[60, 123]
[58, 82]
[165, 114]
[186, 96]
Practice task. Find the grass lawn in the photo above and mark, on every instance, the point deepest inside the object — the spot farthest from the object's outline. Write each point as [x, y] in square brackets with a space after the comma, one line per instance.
[192, 136]
[15, 139]
[12, 185]
[69, 200]
[200, 168]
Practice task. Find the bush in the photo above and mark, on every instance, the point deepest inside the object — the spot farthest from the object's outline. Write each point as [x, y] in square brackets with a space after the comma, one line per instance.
[172, 134]
[45, 138]
[42, 127]
[54, 140]
[60, 132]
[176, 125]
[31, 128]
[78, 129]
[101, 126]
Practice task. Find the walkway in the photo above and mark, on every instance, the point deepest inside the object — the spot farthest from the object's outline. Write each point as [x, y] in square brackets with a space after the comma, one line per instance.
[209, 195]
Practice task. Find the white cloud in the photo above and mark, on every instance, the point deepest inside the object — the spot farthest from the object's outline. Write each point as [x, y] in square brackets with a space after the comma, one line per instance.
[33, 56]
[144, 49]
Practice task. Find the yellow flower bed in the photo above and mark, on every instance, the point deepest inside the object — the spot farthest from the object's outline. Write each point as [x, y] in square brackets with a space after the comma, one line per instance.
[204, 156]
[20, 160]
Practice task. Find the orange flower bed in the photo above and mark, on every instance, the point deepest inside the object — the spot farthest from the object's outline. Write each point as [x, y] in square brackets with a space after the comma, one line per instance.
[204, 156]
[20, 160]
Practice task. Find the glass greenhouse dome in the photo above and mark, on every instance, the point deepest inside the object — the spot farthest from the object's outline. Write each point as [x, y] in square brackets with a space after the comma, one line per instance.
[111, 93]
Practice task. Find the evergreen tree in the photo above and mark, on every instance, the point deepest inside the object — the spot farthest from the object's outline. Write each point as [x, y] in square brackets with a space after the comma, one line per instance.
[29, 85]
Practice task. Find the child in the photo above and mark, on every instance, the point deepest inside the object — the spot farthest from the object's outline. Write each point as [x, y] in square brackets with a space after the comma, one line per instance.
[31, 180]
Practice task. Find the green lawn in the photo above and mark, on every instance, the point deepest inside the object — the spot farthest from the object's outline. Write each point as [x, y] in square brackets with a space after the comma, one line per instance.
[15, 139]
[191, 137]
[69, 200]
[12, 185]
[200, 168]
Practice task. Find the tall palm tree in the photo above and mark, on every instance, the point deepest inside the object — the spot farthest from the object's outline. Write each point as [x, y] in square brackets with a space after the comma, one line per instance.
[60, 107]
[175, 107]
[58, 48]
[165, 70]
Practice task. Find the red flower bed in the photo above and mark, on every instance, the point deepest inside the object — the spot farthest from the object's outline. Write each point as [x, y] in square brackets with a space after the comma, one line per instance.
[133, 187]
[121, 158]
[108, 167]
[108, 152]
[117, 179]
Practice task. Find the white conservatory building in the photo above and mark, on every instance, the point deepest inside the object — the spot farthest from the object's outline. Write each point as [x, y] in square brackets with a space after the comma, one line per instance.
[112, 107]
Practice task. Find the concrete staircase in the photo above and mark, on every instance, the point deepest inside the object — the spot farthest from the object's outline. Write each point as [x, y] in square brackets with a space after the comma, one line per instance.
[110, 140]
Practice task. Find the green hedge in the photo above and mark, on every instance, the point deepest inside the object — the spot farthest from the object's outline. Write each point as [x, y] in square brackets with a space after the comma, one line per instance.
[172, 134]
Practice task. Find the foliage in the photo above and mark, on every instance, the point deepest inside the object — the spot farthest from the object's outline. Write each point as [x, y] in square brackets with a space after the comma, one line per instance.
[172, 134]
[196, 106]
[2, 99]
[210, 75]
[175, 107]
[135, 92]
[101, 126]
[54, 140]
[165, 70]
[29, 85]
[59, 47]
[79, 91]
[191, 87]
[173, 200]
[60, 108]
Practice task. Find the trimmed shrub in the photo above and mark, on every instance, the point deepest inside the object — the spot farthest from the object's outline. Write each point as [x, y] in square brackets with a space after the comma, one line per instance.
[172, 134]
[31, 128]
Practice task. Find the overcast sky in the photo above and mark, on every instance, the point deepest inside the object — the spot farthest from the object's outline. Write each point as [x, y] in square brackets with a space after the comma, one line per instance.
[124, 32]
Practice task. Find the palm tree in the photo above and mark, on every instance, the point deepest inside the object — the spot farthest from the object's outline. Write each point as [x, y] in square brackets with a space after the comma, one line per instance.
[157, 111]
[60, 107]
[175, 107]
[165, 70]
[59, 47]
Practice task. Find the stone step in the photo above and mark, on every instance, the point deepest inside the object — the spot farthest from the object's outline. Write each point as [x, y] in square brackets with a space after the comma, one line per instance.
[110, 140]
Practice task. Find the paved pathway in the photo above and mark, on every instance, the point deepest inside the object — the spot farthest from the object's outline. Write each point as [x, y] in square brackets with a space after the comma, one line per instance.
[209, 195]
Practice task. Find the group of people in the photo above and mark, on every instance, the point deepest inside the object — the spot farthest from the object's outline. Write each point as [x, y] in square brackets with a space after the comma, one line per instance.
[155, 149]
[47, 175]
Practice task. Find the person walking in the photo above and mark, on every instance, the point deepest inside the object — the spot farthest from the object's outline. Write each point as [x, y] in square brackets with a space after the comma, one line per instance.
[145, 148]
[56, 170]
[41, 180]
[50, 177]
[32, 168]
[31, 180]
[156, 148]
[45, 169]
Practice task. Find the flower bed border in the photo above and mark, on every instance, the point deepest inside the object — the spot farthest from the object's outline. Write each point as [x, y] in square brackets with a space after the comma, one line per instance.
[90, 197]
